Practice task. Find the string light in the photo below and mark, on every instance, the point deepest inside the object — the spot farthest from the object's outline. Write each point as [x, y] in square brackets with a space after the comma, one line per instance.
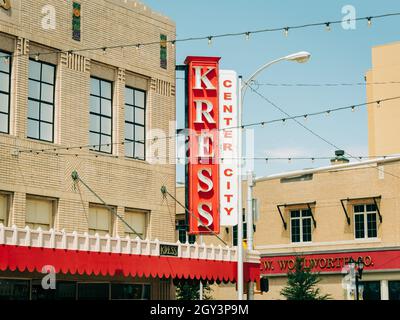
[210, 40]
[378, 103]
[305, 117]
[247, 36]
[173, 43]
[328, 26]
[369, 21]
[37, 57]
[262, 123]
[286, 31]
[353, 108]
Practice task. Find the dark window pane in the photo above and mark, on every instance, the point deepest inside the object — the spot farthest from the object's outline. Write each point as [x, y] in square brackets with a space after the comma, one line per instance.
[295, 230]
[14, 289]
[146, 292]
[47, 93]
[394, 290]
[34, 70]
[33, 129]
[46, 112]
[48, 73]
[126, 291]
[139, 99]
[295, 214]
[129, 149]
[359, 226]
[94, 104]
[3, 123]
[106, 89]
[46, 131]
[93, 291]
[34, 89]
[4, 102]
[306, 213]
[94, 87]
[106, 107]
[139, 116]
[306, 230]
[129, 99]
[371, 207]
[95, 123]
[371, 290]
[371, 223]
[33, 109]
[4, 82]
[359, 208]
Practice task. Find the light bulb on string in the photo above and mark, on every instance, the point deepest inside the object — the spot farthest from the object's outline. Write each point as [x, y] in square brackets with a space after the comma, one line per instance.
[247, 36]
[262, 124]
[378, 103]
[312, 160]
[37, 56]
[284, 121]
[210, 40]
[286, 31]
[328, 26]
[328, 113]
[369, 21]
[289, 160]
[353, 108]
[266, 160]
[305, 117]
[104, 50]
[173, 43]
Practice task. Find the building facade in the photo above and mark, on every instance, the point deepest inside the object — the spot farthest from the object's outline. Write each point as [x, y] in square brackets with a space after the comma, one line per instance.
[384, 82]
[66, 109]
[327, 216]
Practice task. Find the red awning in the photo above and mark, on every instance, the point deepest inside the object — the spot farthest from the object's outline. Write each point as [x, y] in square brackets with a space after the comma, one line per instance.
[99, 263]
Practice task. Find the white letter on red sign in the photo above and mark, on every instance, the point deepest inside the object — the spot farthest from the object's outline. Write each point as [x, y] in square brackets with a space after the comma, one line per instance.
[206, 113]
[206, 215]
[206, 180]
[199, 78]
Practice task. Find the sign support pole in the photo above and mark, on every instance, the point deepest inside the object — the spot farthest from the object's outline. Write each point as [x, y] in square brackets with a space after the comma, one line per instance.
[240, 279]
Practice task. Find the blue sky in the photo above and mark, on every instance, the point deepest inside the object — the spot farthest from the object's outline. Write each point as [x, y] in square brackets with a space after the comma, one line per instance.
[337, 56]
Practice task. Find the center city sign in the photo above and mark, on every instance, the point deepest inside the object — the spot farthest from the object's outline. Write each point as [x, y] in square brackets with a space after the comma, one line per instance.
[203, 147]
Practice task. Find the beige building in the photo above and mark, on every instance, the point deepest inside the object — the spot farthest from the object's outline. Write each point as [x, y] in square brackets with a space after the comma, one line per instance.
[383, 129]
[65, 109]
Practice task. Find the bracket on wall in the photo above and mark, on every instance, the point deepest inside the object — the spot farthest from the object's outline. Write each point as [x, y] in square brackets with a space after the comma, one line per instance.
[364, 198]
[308, 204]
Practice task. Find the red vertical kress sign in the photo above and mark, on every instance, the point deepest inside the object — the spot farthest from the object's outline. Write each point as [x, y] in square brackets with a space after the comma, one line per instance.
[203, 153]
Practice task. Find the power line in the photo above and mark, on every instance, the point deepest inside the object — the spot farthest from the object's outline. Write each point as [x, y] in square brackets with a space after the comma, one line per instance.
[312, 131]
[325, 84]
[255, 124]
[210, 38]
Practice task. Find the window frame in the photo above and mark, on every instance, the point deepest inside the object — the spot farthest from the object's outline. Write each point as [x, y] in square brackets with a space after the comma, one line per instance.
[53, 104]
[9, 198]
[135, 124]
[365, 214]
[147, 222]
[100, 115]
[111, 219]
[3, 52]
[301, 218]
[54, 209]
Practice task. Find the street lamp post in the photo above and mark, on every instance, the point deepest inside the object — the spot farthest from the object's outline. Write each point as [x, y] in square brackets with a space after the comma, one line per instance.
[358, 272]
[300, 57]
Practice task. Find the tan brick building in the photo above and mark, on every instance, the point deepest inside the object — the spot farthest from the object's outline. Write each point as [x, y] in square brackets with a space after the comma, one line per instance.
[57, 100]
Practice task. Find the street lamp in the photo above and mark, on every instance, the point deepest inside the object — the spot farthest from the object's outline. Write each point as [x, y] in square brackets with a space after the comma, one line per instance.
[300, 57]
[359, 267]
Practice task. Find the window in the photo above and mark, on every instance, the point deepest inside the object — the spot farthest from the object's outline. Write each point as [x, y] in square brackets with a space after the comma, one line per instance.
[300, 222]
[64, 291]
[371, 290]
[93, 291]
[39, 212]
[394, 290]
[182, 234]
[100, 134]
[41, 101]
[5, 83]
[135, 119]
[365, 225]
[122, 291]
[14, 289]
[4, 208]
[100, 220]
[138, 220]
